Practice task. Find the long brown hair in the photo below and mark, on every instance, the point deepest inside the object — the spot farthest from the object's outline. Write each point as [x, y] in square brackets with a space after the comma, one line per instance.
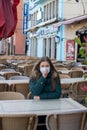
[54, 74]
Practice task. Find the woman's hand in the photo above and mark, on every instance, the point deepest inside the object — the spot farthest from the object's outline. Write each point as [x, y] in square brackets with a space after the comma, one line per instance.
[36, 98]
[44, 74]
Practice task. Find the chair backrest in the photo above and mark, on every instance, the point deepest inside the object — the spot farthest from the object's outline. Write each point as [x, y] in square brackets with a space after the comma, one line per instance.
[4, 87]
[11, 95]
[22, 122]
[63, 76]
[18, 77]
[75, 73]
[21, 88]
[65, 87]
[17, 122]
[61, 68]
[2, 66]
[77, 92]
[75, 121]
[28, 69]
[77, 68]
[7, 75]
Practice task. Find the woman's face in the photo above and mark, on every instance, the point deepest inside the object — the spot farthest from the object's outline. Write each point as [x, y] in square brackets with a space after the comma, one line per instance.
[44, 67]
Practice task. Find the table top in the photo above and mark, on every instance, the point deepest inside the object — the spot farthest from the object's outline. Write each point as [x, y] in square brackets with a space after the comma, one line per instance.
[9, 82]
[63, 81]
[67, 71]
[72, 80]
[40, 107]
[4, 72]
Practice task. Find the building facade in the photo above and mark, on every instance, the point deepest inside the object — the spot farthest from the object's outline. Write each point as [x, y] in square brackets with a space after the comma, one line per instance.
[19, 38]
[50, 31]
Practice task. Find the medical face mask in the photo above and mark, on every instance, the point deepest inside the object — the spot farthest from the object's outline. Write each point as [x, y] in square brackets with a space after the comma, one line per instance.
[44, 69]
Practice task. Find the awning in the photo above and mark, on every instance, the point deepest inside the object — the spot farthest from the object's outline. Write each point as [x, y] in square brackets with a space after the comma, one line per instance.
[8, 17]
[72, 20]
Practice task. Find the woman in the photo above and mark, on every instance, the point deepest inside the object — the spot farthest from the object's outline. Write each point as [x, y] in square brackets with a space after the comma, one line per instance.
[45, 82]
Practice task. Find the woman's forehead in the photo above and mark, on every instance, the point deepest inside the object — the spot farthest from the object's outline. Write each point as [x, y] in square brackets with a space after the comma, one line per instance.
[44, 63]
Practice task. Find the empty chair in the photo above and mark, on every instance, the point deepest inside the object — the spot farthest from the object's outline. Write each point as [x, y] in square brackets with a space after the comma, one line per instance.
[11, 95]
[61, 68]
[20, 122]
[17, 122]
[77, 92]
[66, 88]
[28, 69]
[68, 65]
[20, 87]
[77, 68]
[75, 73]
[74, 121]
[18, 77]
[7, 75]
[58, 65]
[4, 87]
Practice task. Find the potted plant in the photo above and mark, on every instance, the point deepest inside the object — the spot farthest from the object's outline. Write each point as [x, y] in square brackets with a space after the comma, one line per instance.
[83, 48]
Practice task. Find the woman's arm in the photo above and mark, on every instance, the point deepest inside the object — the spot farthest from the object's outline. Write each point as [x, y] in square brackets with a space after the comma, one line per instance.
[36, 87]
[52, 94]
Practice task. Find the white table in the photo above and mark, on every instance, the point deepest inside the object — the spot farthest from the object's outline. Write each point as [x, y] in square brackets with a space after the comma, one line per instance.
[67, 71]
[63, 81]
[41, 107]
[4, 72]
[72, 80]
[9, 82]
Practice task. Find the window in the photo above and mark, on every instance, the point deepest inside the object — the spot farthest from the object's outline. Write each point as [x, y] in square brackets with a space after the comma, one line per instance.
[50, 11]
[33, 47]
[49, 47]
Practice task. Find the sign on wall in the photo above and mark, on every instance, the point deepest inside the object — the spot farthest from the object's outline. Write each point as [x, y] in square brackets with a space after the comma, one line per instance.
[25, 17]
[70, 50]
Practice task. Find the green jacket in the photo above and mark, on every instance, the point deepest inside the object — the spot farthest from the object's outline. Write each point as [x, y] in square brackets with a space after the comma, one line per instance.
[42, 88]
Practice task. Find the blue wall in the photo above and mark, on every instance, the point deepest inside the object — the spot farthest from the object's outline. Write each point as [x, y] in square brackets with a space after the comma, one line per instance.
[61, 31]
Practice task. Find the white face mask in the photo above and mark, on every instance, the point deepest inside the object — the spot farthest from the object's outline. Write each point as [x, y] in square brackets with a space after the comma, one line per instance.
[44, 69]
